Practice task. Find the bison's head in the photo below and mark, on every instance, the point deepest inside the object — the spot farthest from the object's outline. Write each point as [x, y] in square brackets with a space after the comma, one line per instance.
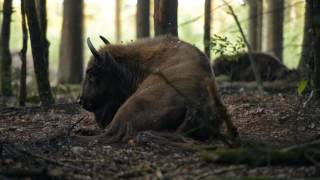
[104, 87]
[222, 66]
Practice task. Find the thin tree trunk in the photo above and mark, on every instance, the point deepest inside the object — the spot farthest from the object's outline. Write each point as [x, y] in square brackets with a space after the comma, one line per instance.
[253, 63]
[143, 18]
[71, 47]
[5, 55]
[41, 6]
[275, 28]
[207, 27]
[118, 20]
[23, 57]
[316, 46]
[165, 17]
[255, 24]
[38, 54]
[307, 42]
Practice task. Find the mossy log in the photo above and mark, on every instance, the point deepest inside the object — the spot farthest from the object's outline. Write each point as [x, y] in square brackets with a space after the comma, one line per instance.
[262, 157]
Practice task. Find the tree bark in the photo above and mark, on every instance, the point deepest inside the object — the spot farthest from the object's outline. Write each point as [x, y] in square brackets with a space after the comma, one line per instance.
[118, 20]
[143, 18]
[275, 28]
[71, 47]
[38, 54]
[305, 59]
[23, 57]
[165, 17]
[255, 24]
[207, 27]
[41, 6]
[315, 11]
[5, 55]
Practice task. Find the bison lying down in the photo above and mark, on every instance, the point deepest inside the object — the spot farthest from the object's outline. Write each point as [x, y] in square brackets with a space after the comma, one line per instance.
[161, 84]
[238, 68]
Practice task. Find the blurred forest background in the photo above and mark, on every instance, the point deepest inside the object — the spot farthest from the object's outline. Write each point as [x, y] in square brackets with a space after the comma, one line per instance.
[99, 19]
[272, 27]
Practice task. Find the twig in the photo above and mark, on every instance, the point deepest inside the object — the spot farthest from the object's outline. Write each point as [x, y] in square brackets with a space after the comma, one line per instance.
[301, 146]
[220, 171]
[308, 100]
[310, 158]
[199, 17]
[75, 124]
[266, 13]
[253, 62]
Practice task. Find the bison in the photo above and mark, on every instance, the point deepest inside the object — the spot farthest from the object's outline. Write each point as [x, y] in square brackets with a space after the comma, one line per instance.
[161, 84]
[238, 67]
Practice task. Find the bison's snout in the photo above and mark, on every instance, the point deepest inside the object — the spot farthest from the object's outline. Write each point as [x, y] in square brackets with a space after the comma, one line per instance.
[85, 104]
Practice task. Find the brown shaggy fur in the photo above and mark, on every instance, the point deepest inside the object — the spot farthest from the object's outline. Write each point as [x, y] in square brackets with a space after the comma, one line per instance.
[165, 85]
[238, 67]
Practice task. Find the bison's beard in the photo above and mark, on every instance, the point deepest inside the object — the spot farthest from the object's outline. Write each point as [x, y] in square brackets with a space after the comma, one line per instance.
[104, 115]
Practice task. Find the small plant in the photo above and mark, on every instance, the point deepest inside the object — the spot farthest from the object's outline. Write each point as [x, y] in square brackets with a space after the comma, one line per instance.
[222, 46]
[303, 84]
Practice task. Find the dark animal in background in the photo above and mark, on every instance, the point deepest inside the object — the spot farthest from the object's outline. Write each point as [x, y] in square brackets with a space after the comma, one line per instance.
[161, 84]
[238, 67]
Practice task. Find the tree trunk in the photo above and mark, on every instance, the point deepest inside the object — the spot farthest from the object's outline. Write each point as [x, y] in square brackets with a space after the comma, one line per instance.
[165, 17]
[23, 57]
[41, 6]
[255, 24]
[275, 28]
[143, 18]
[315, 11]
[5, 56]
[305, 59]
[71, 47]
[118, 20]
[207, 27]
[38, 54]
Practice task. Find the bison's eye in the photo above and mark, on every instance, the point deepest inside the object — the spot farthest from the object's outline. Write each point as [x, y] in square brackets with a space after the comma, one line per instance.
[92, 79]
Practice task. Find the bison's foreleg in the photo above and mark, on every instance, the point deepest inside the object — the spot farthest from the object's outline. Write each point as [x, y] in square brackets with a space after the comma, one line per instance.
[190, 116]
[222, 110]
[115, 132]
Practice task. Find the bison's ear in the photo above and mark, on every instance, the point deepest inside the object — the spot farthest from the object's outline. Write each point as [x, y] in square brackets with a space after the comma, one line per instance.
[110, 62]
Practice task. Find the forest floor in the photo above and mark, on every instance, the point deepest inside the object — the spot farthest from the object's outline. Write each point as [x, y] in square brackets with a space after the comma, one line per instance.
[273, 120]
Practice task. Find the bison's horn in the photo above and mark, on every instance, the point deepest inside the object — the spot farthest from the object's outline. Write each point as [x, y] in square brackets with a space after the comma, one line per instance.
[93, 50]
[105, 40]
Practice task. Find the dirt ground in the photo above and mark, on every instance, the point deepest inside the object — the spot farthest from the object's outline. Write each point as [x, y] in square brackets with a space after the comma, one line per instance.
[276, 120]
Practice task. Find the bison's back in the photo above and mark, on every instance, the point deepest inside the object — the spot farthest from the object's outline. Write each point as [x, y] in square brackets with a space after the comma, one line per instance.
[182, 66]
[238, 67]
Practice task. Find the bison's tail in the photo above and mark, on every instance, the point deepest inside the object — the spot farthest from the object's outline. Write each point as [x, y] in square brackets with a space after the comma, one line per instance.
[216, 101]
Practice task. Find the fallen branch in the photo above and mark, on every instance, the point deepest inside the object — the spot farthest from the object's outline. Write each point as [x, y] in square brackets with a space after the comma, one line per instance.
[260, 157]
